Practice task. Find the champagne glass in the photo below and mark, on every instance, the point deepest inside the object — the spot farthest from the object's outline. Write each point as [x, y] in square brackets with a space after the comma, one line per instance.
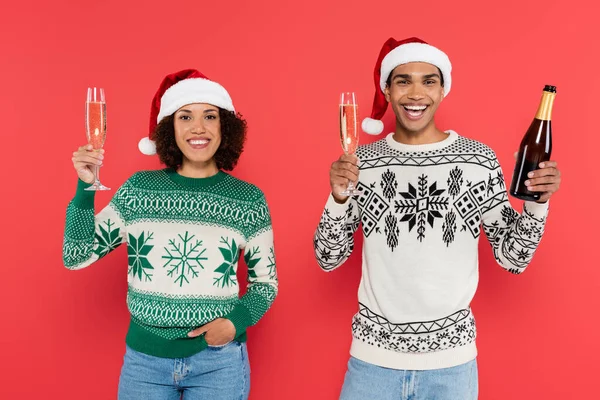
[349, 131]
[95, 128]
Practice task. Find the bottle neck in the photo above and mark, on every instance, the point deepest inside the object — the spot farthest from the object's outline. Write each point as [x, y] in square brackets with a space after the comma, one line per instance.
[544, 111]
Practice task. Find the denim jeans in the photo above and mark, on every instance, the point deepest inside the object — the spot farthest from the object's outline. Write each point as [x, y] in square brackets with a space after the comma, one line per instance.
[365, 381]
[216, 373]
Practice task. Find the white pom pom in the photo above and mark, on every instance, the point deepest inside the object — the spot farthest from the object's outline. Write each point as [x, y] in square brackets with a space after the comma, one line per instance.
[372, 126]
[147, 146]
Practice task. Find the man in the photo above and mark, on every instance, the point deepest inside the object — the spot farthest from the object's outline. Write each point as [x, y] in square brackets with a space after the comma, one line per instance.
[424, 196]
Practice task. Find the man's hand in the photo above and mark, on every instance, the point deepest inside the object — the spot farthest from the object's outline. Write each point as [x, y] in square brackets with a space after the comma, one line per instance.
[545, 180]
[342, 171]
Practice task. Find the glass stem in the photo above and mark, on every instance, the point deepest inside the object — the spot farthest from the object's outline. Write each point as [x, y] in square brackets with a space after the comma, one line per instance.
[96, 174]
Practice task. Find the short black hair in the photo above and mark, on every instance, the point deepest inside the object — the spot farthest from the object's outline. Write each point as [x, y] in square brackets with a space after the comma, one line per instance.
[388, 82]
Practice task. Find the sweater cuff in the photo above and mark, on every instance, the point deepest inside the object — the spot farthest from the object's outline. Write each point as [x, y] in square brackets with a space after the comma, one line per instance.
[538, 210]
[83, 198]
[337, 210]
[240, 317]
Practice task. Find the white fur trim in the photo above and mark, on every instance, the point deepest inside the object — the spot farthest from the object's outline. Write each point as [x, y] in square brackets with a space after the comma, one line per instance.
[372, 126]
[147, 146]
[193, 90]
[416, 52]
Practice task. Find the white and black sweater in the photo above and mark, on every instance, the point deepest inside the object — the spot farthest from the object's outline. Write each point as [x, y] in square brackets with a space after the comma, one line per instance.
[422, 208]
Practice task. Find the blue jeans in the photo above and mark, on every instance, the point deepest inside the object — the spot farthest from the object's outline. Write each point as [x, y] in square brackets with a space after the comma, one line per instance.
[219, 373]
[367, 381]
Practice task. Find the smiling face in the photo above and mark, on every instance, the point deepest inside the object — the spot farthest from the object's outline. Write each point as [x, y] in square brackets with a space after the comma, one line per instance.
[198, 133]
[415, 91]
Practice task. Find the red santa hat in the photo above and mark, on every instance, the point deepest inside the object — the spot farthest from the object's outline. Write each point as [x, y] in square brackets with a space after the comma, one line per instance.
[392, 54]
[177, 90]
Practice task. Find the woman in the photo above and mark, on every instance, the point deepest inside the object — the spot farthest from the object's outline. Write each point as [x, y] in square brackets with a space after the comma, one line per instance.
[184, 227]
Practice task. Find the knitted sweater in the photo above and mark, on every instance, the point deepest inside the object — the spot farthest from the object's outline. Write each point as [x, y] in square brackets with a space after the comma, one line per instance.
[183, 237]
[422, 209]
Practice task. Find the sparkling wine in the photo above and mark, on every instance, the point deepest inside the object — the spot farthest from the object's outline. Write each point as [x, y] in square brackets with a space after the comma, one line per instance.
[349, 127]
[96, 123]
[536, 147]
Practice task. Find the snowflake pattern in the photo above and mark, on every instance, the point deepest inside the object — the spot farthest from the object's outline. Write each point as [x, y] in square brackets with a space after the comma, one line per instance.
[421, 206]
[231, 254]
[108, 239]
[184, 258]
[251, 258]
[137, 253]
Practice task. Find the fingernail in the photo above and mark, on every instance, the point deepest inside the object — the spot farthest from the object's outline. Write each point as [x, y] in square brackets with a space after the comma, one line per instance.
[527, 183]
[101, 157]
[542, 165]
[530, 174]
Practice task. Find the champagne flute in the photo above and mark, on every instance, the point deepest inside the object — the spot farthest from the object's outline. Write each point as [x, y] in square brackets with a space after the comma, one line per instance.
[95, 128]
[349, 131]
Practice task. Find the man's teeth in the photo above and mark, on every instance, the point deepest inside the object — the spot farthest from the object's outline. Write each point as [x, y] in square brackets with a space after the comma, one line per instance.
[198, 142]
[415, 108]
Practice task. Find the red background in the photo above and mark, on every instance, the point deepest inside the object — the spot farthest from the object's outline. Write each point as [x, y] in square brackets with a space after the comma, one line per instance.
[284, 64]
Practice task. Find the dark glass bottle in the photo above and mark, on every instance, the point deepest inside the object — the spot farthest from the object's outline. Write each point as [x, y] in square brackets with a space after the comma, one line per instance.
[535, 148]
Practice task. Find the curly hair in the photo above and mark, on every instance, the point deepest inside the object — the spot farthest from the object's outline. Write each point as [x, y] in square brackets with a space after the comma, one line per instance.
[233, 137]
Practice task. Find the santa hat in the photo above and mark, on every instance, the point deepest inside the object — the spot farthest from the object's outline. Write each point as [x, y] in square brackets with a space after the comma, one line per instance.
[177, 90]
[392, 54]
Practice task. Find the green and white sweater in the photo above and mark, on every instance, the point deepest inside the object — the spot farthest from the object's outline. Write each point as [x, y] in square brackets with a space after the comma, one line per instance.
[184, 237]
